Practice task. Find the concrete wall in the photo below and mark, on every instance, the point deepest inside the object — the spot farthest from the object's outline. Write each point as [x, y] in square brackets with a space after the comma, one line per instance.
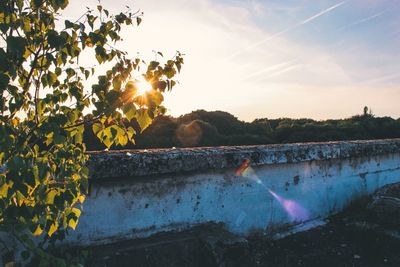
[134, 194]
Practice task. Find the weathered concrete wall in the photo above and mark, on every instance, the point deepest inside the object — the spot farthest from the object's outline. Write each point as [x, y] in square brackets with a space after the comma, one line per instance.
[138, 193]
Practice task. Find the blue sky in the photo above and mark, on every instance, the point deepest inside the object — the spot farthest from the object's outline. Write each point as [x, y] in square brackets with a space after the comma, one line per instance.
[317, 59]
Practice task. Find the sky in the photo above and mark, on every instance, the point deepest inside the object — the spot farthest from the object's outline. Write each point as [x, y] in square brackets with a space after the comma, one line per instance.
[273, 58]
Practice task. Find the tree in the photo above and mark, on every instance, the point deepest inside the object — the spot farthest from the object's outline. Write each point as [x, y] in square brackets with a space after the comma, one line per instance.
[365, 111]
[43, 178]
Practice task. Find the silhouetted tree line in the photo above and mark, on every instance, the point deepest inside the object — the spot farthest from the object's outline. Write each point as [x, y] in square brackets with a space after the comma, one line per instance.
[218, 128]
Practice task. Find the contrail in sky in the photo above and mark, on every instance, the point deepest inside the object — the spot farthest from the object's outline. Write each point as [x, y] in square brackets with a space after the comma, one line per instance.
[287, 29]
[280, 72]
[273, 68]
[322, 13]
[362, 20]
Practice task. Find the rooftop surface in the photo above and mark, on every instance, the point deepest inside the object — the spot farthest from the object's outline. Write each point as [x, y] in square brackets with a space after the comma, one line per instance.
[366, 234]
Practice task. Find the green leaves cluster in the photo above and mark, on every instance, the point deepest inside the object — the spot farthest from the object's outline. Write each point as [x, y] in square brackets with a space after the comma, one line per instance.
[43, 178]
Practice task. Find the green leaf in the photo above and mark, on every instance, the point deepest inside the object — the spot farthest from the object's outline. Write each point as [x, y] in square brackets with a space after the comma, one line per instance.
[72, 223]
[117, 82]
[4, 80]
[155, 97]
[143, 119]
[51, 78]
[59, 139]
[27, 25]
[19, 198]
[153, 65]
[78, 138]
[76, 212]
[101, 54]
[62, 3]
[16, 45]
[50, 195]
[97, 127]
[122, 140]
[112, 96]
[113, 131]
[4, 190]
[131, 132]
[68, 24]
[49, 138]
[58, 71]
[54, 39]
[107, 142]
[53, 228]
[37, 232]
[129, 111]
[108, 138]
[178, 66]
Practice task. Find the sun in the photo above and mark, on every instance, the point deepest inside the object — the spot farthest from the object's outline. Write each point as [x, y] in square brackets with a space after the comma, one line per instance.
[143, 87]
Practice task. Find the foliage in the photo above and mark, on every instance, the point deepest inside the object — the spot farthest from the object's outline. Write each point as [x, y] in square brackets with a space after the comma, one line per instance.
[221, 128]
[44, 96]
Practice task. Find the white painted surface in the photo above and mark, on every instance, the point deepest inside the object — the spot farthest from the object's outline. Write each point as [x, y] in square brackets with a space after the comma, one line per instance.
[118, 209]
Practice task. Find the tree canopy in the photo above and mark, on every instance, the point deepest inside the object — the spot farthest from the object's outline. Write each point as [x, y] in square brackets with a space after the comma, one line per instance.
[217, 128]
[45, 92]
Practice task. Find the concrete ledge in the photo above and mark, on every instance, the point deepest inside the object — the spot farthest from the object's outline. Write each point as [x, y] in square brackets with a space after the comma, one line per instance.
[136, 163]
[283, 188]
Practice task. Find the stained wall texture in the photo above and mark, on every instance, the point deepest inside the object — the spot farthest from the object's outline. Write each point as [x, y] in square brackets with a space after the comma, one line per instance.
[268, 189]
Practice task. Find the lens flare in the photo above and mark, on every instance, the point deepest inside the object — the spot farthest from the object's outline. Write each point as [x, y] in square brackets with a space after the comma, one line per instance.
[189, 134]
[143, 87]
[242, 169]
[294, 210]
[245, 170]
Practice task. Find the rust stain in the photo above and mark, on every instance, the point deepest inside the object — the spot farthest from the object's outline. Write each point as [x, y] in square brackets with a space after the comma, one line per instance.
[296, 179]
[287, 184]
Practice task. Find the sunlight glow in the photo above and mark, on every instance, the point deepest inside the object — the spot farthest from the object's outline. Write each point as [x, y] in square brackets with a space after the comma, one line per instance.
[143, 87]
